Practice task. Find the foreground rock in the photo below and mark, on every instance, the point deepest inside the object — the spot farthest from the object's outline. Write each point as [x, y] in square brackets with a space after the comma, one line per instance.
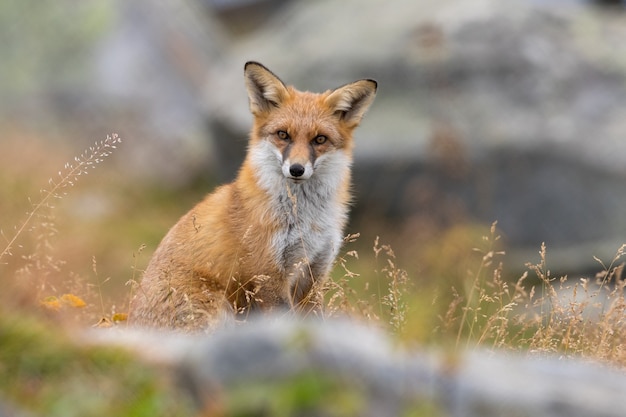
[274, 366]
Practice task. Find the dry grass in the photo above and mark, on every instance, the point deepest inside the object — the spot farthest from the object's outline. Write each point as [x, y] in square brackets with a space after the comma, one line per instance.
[481, 307]
[536, 313]
[584, 318]
[460, 299]
[42, 371]
[539, 313]
[35, 266]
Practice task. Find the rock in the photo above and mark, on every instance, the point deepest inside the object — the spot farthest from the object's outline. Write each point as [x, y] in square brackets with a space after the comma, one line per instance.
[487, 110]
[343, 368]
[501, 111]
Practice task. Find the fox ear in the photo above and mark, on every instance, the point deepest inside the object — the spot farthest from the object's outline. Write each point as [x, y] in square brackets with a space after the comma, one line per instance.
[351, 101]
[265, 90]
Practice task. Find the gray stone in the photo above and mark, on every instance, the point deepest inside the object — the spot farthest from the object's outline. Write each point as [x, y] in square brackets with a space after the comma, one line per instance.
[528, 97]
[386, 380]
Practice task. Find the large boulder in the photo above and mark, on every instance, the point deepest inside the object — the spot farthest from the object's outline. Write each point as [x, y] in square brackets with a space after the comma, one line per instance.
[487, 110]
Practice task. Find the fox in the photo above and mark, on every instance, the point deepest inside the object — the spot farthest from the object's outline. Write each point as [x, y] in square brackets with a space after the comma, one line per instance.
[268, 240]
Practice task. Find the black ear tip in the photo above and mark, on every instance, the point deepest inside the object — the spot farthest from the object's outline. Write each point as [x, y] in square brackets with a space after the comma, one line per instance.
[373, 82]
[252, 64]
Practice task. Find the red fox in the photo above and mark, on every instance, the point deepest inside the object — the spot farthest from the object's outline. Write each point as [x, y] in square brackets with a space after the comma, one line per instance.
[266, 240]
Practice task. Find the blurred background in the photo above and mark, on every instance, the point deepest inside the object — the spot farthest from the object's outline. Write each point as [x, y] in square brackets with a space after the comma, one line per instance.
[487, 111]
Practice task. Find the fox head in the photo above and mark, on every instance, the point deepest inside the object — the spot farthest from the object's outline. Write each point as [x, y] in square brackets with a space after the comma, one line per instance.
[300, 134]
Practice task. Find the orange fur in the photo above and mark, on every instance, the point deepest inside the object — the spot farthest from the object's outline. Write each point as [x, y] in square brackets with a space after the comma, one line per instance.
[264, 241]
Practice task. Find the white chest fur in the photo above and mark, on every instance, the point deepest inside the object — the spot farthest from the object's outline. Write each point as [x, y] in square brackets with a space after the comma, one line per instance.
[310, 212]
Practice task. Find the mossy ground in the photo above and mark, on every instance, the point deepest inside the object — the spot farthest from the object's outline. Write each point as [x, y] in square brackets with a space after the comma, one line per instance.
[44, 372]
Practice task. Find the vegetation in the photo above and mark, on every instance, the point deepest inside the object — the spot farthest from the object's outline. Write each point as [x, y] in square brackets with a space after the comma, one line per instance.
[43, 372]
[479, 307]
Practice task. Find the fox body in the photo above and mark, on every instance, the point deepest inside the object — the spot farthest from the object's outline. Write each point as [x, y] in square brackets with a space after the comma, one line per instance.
[267, 239]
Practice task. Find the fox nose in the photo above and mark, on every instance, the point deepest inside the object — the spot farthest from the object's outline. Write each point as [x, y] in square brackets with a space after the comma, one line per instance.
[296, 170]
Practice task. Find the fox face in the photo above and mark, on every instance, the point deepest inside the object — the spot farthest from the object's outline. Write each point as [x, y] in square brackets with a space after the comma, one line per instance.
[304, 133]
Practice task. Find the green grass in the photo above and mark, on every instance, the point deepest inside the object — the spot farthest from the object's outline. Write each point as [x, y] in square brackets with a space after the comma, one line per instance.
[43, 372]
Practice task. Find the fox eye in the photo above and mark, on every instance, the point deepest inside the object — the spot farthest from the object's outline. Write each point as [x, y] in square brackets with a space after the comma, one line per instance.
[320, 139]
[282, 135]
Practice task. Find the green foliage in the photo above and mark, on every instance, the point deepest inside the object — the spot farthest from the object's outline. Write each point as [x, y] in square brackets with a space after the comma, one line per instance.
[41, 370]
[308, 394]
